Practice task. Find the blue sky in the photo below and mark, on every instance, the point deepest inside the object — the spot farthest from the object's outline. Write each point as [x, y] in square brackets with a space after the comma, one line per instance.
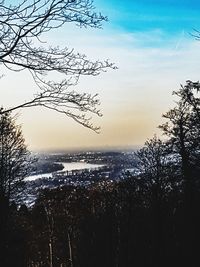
[151, 43]
[146, 15]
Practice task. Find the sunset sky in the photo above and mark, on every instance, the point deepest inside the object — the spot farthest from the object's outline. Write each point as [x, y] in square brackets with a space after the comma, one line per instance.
[151, 43]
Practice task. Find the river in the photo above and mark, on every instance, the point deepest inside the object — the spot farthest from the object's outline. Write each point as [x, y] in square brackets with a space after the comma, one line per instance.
[68, 166]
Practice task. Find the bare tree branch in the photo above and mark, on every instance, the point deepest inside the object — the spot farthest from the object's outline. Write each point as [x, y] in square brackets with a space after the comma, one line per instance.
[21, 28]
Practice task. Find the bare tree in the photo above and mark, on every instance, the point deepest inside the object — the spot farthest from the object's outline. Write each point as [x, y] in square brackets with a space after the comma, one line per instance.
[183, 130]
[188, 94]
[13, 157]
[157, 183]
[21, 48]
[178, 128]
[155, 167]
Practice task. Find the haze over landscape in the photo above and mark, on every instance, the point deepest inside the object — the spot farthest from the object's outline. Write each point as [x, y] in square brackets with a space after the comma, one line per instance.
[78, 189]
[151, 44]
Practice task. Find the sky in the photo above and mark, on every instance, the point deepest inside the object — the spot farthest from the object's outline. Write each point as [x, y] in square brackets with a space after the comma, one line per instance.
[152, 44]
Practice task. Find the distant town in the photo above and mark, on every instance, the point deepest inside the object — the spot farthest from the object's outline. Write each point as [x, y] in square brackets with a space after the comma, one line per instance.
[76, 168]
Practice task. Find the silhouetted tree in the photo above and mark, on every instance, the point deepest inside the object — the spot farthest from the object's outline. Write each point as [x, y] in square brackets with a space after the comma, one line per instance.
[189, 97]
[157, 180]
[155, 167]
[183, 131]
[189, 94]
[14, 157]
[21, 28]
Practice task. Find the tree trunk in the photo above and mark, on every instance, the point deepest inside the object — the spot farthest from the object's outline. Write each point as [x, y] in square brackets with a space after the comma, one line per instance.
[70, 250]
[50, 254]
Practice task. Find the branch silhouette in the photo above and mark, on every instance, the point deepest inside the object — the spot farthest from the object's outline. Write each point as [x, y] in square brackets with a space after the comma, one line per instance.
[21, 48]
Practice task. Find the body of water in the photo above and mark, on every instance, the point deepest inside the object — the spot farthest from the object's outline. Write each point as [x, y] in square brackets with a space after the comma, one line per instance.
[68, 166]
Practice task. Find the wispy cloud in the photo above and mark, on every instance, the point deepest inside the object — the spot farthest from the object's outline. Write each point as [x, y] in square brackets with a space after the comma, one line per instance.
[133, 97]
[151, 44]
